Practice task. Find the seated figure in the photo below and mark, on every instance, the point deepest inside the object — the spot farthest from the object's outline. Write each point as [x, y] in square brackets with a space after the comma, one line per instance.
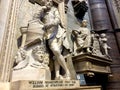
[82, 38]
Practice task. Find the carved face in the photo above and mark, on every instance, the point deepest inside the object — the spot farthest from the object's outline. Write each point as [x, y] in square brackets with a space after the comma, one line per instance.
[84, 23]
[49, 5]
[38, 55]
[21, 55]
[103, 35]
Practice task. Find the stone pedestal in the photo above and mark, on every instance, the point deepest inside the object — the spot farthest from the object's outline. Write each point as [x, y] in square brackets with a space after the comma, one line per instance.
[45, 85]
[85, 63]
[31, 73]
[34, 66]
[38, 85]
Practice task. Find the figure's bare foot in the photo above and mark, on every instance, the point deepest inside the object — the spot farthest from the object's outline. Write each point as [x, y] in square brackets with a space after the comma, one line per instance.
[59, 77]
[67, 77]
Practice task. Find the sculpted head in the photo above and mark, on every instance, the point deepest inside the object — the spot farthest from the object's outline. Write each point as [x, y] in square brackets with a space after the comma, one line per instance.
[49, 4]
[84, 23]
[37, 54]
[21, 55]
[103, 35]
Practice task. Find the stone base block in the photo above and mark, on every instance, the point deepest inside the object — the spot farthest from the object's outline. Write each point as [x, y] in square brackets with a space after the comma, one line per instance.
[45, 85]
[86, 63]
[31, 73]
[51, 85]
[89, 88]
[4, 86]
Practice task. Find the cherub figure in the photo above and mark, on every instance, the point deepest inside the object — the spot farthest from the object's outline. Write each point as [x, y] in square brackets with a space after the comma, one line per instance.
[103, 43]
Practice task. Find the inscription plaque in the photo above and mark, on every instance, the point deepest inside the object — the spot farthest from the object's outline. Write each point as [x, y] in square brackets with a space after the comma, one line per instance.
[47, 84]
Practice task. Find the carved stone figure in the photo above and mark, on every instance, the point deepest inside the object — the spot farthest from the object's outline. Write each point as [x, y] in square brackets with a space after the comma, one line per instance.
[21, 59]
[83, 38]
[35, 48]
[46, 28]
[103, 44]
[55, 34]
[96, 44]
[41, 56]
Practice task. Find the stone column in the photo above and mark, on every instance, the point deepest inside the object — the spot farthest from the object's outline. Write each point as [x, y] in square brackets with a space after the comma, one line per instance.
[99, 15]
[112, 14]
[114, 21]
[4, 15]
[4, 10]
[8, 9]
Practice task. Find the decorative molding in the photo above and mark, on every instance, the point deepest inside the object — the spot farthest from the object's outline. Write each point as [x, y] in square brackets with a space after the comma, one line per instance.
[8, 41]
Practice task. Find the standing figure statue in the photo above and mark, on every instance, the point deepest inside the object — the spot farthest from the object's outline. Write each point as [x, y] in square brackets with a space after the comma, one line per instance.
[83, 38]
[55, 35]
[103, 43]
[95, 44]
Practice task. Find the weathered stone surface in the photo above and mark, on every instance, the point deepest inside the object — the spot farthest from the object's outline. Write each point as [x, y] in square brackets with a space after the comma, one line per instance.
[90, 63]
[26, 11]
[31, 73]
[44, 85]
[48, 85]
[51, 85]
[4, 86]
